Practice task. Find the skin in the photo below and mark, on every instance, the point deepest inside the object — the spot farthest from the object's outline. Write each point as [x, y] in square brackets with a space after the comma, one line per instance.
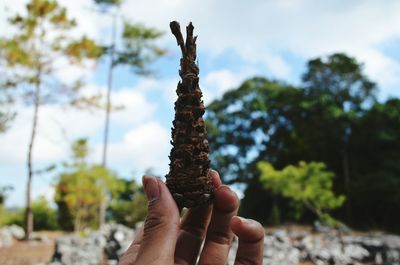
[167, 239]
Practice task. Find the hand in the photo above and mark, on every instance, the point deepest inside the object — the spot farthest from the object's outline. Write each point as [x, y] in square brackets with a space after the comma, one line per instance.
[167, 240]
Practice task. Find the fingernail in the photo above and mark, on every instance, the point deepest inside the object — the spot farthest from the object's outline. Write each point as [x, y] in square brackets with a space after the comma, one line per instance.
[213, 171]
[226, 188]
[151, 188]
[241, 219]
[248, 222]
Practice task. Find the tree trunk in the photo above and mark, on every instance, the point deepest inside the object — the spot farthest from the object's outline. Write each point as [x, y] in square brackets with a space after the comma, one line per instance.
[109, 89]
[29, 214]
[346, 174]
[102, 202]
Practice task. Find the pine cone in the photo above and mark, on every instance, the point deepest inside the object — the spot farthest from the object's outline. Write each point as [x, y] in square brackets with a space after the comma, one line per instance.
[188, 178]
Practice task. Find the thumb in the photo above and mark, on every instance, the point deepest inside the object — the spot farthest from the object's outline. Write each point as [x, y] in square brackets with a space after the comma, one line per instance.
[161, 226]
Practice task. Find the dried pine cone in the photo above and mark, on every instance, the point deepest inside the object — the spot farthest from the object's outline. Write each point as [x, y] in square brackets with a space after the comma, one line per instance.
[188, 178]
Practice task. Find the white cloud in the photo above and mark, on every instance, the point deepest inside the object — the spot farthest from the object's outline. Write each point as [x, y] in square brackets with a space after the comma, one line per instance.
[144, 146]
[136, 108]
[216, 83]
[261, 30]
[58, 126]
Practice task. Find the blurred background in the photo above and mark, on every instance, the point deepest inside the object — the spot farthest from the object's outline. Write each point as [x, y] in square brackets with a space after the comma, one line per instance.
[303, 111]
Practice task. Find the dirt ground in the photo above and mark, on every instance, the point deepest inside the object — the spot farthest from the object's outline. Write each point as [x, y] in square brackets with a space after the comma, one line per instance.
[30, 253]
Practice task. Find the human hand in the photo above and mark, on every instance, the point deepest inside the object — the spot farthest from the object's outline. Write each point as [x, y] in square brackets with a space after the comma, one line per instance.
[166, 239]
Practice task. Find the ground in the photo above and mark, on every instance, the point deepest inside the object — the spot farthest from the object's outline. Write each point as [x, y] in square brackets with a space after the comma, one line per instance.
[30, 253]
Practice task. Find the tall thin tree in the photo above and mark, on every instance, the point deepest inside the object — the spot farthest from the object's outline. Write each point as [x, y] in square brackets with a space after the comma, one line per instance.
[137, 50]
[33, 56]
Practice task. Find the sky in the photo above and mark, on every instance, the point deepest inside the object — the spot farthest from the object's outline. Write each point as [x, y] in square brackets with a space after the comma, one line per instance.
[236, 40]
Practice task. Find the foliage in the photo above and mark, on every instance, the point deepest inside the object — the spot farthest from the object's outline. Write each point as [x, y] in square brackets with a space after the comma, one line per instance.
[34, 52]
[135, 48]
[15, 216]
[333, 118]
[45, 216]
[308, 185]
[139, 48]
[3, 196]
[80, 188]
[130, 204]
[30, 60]
[376, 167]
[339, 79]
[6, 114]
[108, 3]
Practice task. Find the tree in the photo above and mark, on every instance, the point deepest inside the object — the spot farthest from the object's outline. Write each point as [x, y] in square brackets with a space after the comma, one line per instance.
[6, 114]
[375, 167]
[129, 205]
[3, 196]
[79, 189]
[34, 55]
[45, 216]
[247, 124]
[136, 49]
[308, 185]
[265, 120]
[339, 79]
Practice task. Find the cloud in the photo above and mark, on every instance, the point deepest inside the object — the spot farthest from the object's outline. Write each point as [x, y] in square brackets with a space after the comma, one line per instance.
[142, 147]
[260, 31]
[58, 126]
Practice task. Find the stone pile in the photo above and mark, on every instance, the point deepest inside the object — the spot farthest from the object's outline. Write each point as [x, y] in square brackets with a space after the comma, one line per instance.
[10, 233]
[108, 243]
[282, 247]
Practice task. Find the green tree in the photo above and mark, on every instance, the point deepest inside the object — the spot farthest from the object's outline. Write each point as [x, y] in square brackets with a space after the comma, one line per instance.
[375, 167]
[129, 206]
[45, 216]
[339, 80]
[80, 188]
[33, 54]
[308, 185]
[265, 120]
[3, 196]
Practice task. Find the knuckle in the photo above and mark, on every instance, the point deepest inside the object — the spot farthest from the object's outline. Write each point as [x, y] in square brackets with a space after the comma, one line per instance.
[246, 261]
[220, 237]
[153, 223]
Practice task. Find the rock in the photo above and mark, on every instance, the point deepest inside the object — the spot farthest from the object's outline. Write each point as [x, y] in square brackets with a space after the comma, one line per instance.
[74, 250]
[8, 233]
[118, 238]
[321, 228]
[6, 238]
[278, 249]
[281, 247]
[17, 232]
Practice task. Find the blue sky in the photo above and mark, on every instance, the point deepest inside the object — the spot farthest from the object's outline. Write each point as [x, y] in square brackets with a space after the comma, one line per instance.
[237, 40]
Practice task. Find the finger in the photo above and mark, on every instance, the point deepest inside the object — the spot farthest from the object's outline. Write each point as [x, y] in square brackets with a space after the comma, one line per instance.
[251, 241]
[193, 229]
[216, 180]
[161, 226]
[131, 253]
[219, 234]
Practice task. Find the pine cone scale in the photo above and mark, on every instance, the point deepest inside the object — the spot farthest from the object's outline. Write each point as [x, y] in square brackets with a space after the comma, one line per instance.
[188, 178]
